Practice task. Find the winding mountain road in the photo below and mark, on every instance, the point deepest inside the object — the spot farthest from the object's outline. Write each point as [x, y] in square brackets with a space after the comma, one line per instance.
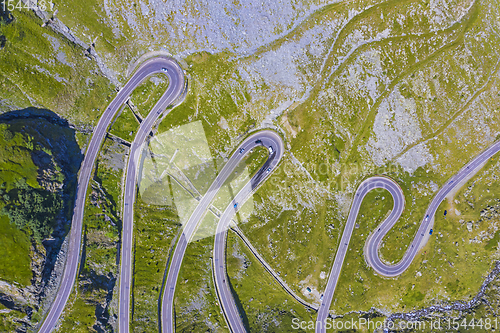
[375, 239]
[145, 70]
[267, 138]
[173, 92]
[227, 302]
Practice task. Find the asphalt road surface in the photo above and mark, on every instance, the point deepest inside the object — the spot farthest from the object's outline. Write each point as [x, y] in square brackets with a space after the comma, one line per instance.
[373, 242]
[173, 92]
[219, 260]
[147, 69]
[267, 138]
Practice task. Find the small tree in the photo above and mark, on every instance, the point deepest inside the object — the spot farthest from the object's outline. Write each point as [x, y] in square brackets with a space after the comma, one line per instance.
[31, 209]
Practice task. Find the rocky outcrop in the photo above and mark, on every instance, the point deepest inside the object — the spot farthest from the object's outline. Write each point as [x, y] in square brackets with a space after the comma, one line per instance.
[58, 26]
[15, 298]
[491, 212]
[459, 306]
[487, 295]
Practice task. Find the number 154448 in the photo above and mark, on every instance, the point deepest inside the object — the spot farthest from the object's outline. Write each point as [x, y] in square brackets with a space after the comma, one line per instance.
[12, 5]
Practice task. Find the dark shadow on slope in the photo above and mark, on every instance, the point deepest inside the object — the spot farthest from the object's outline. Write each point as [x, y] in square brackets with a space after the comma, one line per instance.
[83, 255]
[239, 305]
[50, 133]
[91, 281]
